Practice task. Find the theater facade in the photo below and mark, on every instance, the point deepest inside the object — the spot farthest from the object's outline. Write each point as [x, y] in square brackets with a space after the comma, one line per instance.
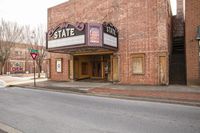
[122, 41]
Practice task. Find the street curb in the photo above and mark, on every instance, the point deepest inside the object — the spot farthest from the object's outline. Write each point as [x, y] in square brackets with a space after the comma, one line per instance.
[84, 92]
[69, 89]
[8, 129]
[149, 99]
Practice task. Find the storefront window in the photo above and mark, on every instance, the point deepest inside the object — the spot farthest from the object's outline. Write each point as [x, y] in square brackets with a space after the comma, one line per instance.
[138, 64]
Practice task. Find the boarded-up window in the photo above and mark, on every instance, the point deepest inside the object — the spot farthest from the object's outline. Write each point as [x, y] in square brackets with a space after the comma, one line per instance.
[138, 64]
[84, 68]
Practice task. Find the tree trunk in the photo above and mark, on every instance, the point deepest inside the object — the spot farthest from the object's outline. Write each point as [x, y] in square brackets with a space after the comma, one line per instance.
[40, 69]
[2, 69]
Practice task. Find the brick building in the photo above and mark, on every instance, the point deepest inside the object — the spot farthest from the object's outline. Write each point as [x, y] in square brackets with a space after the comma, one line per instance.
[192, 21]
[20, 61]
[128, 41]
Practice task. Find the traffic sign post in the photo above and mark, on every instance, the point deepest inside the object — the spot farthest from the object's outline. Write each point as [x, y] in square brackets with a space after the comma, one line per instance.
[34, 54]
[34, 75]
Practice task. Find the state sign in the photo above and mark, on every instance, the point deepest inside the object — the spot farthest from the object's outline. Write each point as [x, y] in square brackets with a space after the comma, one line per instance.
[34, 55]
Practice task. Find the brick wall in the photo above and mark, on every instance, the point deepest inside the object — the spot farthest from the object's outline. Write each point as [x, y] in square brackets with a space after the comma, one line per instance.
[192, 20]
[59, 76]
[144, 27]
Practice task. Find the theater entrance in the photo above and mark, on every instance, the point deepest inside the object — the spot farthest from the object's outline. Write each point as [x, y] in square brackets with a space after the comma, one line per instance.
[98, 67]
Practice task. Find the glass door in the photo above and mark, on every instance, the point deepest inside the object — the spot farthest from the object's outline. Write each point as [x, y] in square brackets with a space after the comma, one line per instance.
[96, 69]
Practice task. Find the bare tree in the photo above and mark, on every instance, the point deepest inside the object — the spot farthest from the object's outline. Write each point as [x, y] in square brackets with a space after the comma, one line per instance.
[10, 33]
[36, 39]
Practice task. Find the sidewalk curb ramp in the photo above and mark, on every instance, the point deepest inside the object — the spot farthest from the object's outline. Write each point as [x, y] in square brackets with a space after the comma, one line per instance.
[8, 129]
[2, 83]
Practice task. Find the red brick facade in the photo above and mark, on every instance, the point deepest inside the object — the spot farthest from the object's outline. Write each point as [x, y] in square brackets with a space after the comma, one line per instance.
[59, 76]
[192, 20]
[144, 28]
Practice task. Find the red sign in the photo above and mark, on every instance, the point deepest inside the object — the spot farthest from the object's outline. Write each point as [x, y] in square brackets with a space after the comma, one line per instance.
[34, 55]
[16, 69]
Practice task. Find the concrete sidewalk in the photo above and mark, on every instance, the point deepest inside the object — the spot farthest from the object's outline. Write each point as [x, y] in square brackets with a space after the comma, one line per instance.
[7, 80]
[170, 94]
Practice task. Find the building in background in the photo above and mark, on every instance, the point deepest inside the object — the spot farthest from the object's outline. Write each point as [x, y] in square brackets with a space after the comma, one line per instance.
[177, 55]
[21, 62]
[121, 41]
[192, 33]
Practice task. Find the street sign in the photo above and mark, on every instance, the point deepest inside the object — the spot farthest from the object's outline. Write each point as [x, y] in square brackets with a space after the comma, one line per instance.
[33, 50]
[34, 55]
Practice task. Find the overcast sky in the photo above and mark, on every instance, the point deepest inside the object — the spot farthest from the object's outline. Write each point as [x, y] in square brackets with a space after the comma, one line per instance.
[33, 12]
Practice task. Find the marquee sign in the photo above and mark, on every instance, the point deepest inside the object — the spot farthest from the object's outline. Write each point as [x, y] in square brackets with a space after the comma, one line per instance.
[110, 35]
[66, 35]
[94, 35]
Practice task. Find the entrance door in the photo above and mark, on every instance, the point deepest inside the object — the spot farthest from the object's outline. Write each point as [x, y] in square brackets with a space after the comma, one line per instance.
[101, 67]
[115, 69]
[76, 68]
[107, 67]
[96, 69]
[92, 66]
[162, 70]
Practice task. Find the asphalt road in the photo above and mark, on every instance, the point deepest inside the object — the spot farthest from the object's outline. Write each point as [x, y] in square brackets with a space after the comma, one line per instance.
[36, 111]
